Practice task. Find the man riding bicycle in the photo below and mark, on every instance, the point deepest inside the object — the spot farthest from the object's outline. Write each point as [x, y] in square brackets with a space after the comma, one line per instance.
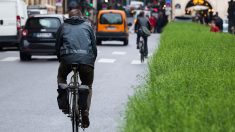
[75, 44]
[142, 21]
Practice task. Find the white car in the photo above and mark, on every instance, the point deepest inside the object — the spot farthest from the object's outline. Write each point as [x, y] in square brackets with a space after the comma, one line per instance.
[13, 15]
[225, 25]
[136, 4]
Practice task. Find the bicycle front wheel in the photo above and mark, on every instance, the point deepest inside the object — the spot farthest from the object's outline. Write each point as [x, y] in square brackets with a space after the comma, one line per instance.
[142, 57]
[75, 123]
[74, 113]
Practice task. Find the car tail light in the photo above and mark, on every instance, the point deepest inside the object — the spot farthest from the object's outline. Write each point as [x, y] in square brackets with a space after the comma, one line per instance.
[18, 22]
[24, 32]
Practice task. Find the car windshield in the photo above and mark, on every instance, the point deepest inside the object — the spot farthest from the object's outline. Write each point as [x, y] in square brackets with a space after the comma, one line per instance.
[43, 23]
[111, 18]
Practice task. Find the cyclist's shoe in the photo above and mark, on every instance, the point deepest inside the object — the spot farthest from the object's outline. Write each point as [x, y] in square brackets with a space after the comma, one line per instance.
[65, 111]
[85, 119]
[137, 47]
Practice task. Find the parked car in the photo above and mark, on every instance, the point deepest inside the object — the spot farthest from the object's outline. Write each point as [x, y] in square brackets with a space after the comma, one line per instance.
[112, 25]
[13, 15]
[39, 36]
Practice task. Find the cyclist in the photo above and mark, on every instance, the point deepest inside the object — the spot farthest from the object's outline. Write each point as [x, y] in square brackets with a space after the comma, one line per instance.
[142, 21]
[75, 43]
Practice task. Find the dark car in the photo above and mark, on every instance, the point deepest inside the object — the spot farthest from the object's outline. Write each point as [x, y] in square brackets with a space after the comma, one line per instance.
[184, 18]
[39, 36]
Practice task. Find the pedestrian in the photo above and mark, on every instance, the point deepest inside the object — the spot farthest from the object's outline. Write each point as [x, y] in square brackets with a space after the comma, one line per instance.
[160, 22]
[218, 21]
[214, 27]
[76, 43]
[153, 22]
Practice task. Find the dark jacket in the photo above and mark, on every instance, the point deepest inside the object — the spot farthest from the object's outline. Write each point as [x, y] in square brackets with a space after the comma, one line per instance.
[75, 42]
[142, 21]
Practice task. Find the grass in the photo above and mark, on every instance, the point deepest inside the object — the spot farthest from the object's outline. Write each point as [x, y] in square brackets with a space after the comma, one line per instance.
[190, 86]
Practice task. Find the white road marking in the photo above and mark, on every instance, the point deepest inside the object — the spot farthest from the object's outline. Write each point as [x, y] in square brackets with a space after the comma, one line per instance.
[103, 60]
[10, 59]
[118, 53]
[112, 42]
[138, 62]
[44, 57]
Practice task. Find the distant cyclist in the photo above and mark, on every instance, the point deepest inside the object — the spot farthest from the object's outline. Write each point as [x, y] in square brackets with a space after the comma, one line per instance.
[142, 21]
[75, 44]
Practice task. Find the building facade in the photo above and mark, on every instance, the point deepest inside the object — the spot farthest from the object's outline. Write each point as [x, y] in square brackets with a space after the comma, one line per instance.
[50, 5]
[179, 7]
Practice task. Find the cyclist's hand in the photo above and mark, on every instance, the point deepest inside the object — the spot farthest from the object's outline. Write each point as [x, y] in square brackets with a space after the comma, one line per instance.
[136, 31]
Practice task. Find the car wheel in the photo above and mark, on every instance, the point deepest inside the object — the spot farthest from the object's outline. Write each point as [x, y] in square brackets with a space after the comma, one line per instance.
[125, 42]
[24, 56]
[98, 42]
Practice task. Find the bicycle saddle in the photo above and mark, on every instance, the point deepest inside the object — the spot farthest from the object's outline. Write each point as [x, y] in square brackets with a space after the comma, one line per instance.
[74, 65]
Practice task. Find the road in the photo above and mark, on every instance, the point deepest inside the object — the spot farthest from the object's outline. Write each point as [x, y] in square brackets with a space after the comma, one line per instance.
[28, 89]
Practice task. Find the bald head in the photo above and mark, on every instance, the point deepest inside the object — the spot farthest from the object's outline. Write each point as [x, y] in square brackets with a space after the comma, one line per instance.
[75, 12]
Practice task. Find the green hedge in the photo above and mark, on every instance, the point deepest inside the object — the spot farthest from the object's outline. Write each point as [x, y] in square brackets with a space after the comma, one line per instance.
[190, 86]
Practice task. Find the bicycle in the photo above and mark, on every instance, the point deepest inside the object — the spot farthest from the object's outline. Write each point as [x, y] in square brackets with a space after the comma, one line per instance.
[74, 88]
[141, 49]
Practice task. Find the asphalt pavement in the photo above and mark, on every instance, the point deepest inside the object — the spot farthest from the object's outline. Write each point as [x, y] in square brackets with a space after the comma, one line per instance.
[28, 89]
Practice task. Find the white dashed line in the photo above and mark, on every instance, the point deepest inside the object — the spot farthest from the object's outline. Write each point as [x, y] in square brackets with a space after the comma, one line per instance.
[118, 53]
[137, 62]
[10, 59]
[103, 60]
[44, 57]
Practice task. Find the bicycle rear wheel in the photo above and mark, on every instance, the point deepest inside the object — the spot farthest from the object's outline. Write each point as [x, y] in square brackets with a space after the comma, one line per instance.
[141, 52]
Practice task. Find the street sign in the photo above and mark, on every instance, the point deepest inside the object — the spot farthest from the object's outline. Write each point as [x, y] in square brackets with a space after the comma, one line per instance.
[168, 3]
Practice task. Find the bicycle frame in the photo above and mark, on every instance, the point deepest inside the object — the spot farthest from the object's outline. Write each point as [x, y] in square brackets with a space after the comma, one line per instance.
[73, 94]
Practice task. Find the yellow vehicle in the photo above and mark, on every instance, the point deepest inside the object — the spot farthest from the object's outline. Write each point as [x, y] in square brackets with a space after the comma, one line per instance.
[112, 25]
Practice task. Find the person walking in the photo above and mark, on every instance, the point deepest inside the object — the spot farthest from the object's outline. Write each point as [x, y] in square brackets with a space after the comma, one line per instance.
[218, 21]
[76, 43]
[153, 22]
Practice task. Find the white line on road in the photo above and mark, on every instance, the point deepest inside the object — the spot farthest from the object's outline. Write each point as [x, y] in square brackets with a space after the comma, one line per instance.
[103, 60]
[10, 59]
[118, 53]
[137, 62]
[45, 57]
